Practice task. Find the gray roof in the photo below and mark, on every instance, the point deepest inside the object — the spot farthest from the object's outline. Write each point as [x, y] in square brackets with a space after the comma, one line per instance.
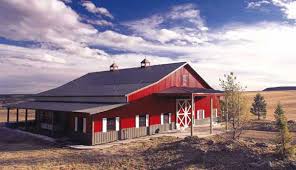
[188, 90]
[113, 83]
[66, 107]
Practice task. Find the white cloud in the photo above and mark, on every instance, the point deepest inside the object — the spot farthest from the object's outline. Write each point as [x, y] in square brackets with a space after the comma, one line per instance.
[261, 54]
[96, 10]
[100, 22]
[257, 4]
[50, 23]
[288, 7]
[181, 25]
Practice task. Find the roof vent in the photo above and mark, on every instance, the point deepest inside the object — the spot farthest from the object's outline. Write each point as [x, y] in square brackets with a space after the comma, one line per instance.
[113, 67]
[145, 63]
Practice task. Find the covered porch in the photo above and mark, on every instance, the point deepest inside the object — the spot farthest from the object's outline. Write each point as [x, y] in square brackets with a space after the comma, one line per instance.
[197, 106]
[58, 119]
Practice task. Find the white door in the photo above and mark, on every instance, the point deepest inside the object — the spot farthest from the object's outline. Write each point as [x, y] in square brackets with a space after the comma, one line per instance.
[184, 111]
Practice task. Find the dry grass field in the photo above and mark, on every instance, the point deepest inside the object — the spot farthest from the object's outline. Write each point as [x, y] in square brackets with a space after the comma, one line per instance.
[286, 98]
[20, 151]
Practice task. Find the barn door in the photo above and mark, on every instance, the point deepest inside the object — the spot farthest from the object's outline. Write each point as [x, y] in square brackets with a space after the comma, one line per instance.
[184, 111]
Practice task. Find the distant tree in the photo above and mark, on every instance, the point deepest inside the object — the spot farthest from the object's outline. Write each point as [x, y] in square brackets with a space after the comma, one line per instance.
[284, 138]
[234, 105]
[259, 106]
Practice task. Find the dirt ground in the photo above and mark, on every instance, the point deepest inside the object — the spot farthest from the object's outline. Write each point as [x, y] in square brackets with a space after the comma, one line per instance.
[12, 115]
[20, 151]
[286, 98]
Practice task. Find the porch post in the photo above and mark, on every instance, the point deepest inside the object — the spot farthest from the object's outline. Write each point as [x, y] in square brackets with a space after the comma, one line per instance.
[26, 119]
[17, 117]
[192, 114]
[52, 123]
[211, 116]
[8, 109]
[92, 130]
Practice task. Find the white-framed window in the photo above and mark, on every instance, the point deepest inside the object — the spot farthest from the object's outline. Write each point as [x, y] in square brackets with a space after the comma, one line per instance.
[200, 114]
[111, 124]
[142, 120]
[215, 112]
[165, 118]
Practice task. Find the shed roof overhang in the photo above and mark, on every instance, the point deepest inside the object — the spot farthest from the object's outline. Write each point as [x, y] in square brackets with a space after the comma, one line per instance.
[188, 91]
[91, 108]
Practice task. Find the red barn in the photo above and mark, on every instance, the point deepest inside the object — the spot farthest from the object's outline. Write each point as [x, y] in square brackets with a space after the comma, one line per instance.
[119, 104]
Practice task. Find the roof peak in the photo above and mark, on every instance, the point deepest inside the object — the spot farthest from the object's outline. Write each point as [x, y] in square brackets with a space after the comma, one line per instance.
[181, 63]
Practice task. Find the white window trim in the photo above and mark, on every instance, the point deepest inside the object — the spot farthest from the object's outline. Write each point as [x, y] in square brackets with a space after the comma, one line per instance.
[137, 121]
[147, 120]
[84, 125]
[198, 113]
[161, 119]
[104, 129]
[117, 123]
[76, 124]
[170, 118]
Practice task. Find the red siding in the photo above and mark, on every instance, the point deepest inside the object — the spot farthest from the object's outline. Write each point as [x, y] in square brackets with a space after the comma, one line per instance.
[151, 105]
[143, 102]
[204, 103]
[173, 80]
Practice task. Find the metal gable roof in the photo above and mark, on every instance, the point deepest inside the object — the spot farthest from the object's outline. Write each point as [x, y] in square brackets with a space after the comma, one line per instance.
[113, 83]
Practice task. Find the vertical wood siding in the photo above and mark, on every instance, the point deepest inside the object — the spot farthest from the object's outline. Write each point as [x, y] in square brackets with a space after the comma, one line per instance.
[106, 137]
[174, 80]
[130, 133]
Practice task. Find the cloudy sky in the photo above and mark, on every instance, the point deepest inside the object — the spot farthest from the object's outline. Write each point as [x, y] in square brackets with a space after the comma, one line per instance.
[45, 43]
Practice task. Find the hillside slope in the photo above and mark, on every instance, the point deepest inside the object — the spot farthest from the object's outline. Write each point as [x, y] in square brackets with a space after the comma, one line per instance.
[286, 98]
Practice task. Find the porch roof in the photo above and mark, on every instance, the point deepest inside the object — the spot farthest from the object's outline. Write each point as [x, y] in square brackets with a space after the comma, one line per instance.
[186, 91]
[91, 108]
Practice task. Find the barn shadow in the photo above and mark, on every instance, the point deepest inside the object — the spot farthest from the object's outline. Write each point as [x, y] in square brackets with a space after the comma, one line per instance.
[13, 140]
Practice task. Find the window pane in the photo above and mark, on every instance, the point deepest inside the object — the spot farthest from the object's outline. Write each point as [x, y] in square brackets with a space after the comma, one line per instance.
[142, 121]
[111, 125]
[166, 118]
[80, 124]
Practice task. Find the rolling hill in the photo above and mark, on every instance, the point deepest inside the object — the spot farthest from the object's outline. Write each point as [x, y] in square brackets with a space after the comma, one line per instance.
[286, 98]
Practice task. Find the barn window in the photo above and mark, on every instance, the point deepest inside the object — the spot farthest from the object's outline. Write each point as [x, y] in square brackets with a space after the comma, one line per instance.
[142, 121]
[200, 114]
[166, 118]
[111, 124]
[185, 80]
[80, 124]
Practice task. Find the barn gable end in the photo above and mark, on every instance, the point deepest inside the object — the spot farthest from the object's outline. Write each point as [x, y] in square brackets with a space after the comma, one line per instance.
[173, 79]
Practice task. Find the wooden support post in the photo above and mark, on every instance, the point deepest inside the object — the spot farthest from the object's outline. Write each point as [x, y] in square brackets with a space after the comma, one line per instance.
[8, 109]
[52, 121]
[26, 119]
[92, 129]
[211, 116]
[17, 117]
[192, 116]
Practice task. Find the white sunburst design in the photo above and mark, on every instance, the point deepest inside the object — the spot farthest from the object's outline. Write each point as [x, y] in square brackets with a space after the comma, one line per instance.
[184, 112]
